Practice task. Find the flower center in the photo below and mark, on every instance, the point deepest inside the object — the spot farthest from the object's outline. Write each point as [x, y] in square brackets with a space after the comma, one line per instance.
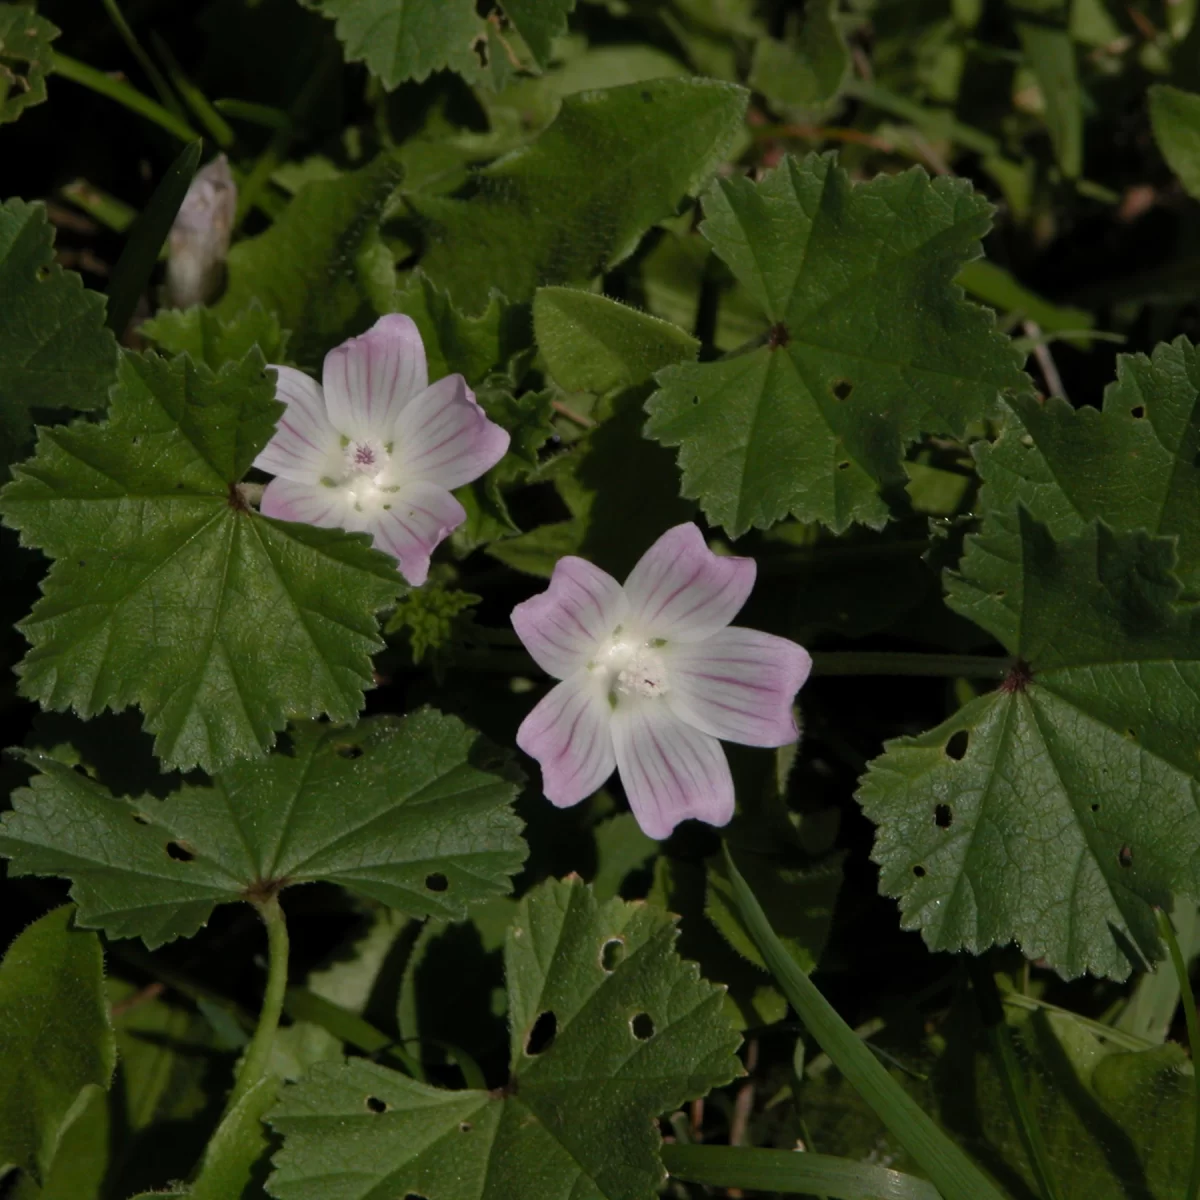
[364, 462]
[367, 457]
[632, 667]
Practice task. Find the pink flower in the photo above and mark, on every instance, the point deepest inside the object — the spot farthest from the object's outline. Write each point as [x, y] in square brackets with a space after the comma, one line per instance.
[652, 675]
[378, 448]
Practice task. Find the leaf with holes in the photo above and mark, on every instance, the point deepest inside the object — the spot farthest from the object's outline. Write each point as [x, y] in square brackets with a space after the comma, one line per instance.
[168, 591]
[321, 268]
[56, 1041]
[1059, 809]
[55, 350]
[25, 58]
[609, 1028]
[1134, 465]
[413, 812]
[577, 201]
[870, 344]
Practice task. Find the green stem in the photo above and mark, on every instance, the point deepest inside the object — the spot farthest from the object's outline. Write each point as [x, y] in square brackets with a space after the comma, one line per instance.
[145, 61]
[1167, 932]
[258, 1053]
[886, 662]
[122, 93]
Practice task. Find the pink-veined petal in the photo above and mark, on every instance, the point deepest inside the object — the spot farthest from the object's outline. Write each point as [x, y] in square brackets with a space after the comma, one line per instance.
[310, 503]
[563, 626]
[369, 379]
[738, 685]
[414, 521]
[670, 771]
[443, 436]
[305, 446]
[681, 591]
[568, 733]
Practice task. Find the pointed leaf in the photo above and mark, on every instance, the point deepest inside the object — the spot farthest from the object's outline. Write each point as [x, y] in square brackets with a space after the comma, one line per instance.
[25, 58]
[609, 1029]
[215, 340]
[395, 809]
[1176, 118]
[576, 201]
[56, 1042]
[169, 592]
[871, 343]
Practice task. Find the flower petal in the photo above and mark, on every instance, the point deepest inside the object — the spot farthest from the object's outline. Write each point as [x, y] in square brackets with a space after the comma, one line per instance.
[369, 379]
[415, 520]
[311, 503]
[562, 626]
[443, 436]
[568, 733]
[305, 446]
[670, 770]
[680, 590]
[738, 685]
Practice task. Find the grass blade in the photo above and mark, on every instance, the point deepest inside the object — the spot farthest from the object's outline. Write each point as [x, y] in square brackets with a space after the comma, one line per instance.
[951, 1171]
[794, 1173]
[146, 237]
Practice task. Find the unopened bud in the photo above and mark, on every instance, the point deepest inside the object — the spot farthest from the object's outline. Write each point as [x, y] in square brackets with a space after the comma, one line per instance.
[198, 244]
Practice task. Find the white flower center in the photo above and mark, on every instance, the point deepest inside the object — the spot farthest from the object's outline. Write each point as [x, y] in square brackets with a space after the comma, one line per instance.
[632, 667]
[365, 462]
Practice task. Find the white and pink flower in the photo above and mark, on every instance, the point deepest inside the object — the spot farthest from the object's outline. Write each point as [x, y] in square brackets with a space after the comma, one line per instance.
[378, 448]
[653, 675]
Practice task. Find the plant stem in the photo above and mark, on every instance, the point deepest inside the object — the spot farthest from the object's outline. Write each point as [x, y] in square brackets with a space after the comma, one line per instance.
[254, 1064]
[1167, 932]
[886, 662]
[123, 93]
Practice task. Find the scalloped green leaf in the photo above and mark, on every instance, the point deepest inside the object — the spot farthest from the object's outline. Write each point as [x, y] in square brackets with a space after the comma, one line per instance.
[1058, 810]
[414, 812]
[25, 58]
[55, 350]
[1135, 464]
[318, 268]
[56, 1041]
[609, 1028]
[215, 340]
[870, 344]
[576, 201]
[169, 592]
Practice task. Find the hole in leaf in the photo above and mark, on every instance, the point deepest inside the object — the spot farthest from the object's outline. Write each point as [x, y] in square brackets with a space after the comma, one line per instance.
[919, 871]
[179, 853]
[1138, 412]
[999, 594]
[642, 1026]
[695, 401]
[464, 1127]
[943, 816]
[376, 1105]
[138, 819]
[611, 954]
[844, 465]
[956, 747]
[414, 1196]
[647, 98]
[541, 1036]
[480, 46]
[80, 769]
[437, 882]
[841, 388]
[1095, 808]
[349, 750]
[1125, 856]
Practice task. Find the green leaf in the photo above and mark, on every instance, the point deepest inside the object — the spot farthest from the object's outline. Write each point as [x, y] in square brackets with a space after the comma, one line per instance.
[634, 1033]
[454, 344]
[430, 614]
[593, 344]
[1134, 465]
[25, 58]
[1050, 53]
[237, 1148]
[215, 340]
[806, 69]
[56, 1041]
[55, 351]
[1175, 115]
[1078, 777]
[410, 39]
[313, 268]
[169, 592]
[396, 809]
[870, 345]
[576, 201]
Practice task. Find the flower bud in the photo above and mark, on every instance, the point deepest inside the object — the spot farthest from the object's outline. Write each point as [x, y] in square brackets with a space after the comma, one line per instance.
[198, 244]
